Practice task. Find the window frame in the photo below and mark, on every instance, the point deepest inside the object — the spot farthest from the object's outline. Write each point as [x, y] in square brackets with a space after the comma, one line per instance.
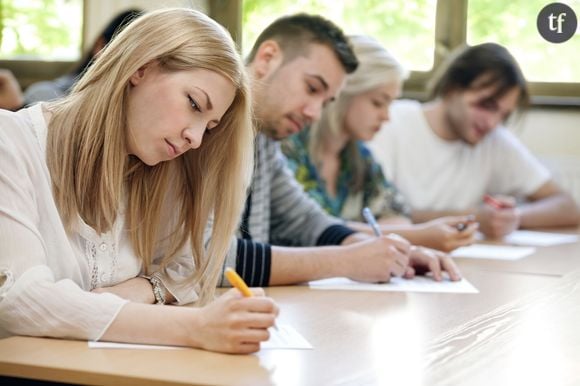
[450, 33]
[454, 13]
[32, 71]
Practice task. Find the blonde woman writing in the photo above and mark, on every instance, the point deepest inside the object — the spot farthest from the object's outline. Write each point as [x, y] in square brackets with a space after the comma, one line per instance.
[339, 172]
[105, 195]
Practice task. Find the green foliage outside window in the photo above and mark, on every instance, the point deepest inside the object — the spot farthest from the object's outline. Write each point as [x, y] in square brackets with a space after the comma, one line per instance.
[407, 28]
[34, 29]
[52, 29]
[513, 24]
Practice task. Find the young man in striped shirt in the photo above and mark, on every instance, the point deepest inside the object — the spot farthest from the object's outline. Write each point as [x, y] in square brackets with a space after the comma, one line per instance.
[297, 65]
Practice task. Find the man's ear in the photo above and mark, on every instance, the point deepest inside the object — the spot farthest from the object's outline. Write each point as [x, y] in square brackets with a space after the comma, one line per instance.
[267, 59]
[139, 75]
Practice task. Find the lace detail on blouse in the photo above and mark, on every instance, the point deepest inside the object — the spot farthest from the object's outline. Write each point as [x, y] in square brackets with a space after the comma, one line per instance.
[91, 255]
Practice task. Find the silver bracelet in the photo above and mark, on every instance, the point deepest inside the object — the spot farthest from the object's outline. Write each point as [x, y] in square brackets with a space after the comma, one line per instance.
[159, 290]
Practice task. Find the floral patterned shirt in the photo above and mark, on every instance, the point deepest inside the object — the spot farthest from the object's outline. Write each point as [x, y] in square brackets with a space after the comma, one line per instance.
[381, 196]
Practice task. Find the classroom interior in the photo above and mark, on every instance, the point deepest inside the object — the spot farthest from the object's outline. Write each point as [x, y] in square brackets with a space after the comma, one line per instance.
[554, 106]
[519, 326]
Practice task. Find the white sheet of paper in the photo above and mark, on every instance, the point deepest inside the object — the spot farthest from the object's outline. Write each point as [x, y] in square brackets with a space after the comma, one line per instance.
[495, 252]
[286, 337]
[539, 239]
[397, 284]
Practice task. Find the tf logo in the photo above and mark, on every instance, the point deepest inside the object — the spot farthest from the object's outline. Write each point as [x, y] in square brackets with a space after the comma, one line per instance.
[557, 22]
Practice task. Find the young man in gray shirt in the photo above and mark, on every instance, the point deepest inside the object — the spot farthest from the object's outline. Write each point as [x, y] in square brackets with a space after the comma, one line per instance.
[298, 64]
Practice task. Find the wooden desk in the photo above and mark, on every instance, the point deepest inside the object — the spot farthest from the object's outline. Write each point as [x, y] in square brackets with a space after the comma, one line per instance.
[359, 338]
[533, 341]
[556, 260]
[523, 326]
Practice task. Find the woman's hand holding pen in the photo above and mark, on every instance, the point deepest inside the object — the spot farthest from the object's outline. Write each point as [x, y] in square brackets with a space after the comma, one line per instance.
[234, 323]
[447, 233]
[498, 216]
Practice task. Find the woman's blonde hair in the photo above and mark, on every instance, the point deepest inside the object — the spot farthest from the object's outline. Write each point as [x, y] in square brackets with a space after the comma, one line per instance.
[92, 174]
[377, 66]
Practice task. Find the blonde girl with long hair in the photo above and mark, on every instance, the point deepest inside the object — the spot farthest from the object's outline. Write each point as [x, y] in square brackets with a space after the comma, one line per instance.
[127, 192]
[339, 172]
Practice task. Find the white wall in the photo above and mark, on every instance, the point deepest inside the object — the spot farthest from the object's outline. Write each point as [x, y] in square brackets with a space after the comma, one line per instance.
[553, 135]
[551, 132]
[100, 12]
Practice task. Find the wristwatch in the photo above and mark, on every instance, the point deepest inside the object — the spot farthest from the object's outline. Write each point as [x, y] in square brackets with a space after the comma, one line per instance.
[159, 290]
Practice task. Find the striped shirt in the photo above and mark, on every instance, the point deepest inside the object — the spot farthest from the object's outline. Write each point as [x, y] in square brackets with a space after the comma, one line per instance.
[278, 212]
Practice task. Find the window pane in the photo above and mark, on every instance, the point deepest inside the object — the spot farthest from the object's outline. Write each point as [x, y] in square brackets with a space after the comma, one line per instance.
[34, 29]
[513, 24]
[405, 27]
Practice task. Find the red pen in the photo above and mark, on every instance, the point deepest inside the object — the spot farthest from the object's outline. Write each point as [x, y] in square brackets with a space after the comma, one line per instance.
[494, 202]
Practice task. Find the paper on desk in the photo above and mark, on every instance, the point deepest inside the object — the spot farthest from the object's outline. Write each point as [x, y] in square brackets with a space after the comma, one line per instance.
[286, 337]
[397, 284]
[496, 252]
[539, 239]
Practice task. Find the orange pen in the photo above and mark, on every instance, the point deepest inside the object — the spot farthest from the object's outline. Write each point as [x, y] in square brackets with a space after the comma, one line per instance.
[237, 282]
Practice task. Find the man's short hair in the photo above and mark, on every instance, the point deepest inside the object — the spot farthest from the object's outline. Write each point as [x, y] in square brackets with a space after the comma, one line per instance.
[295, 33]
[478, 67]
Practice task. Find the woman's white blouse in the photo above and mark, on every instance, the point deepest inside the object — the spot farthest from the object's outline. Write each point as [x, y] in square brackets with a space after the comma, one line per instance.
[46, 275]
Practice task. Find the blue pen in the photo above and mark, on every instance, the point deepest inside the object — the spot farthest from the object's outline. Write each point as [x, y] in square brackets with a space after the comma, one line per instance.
[368, 215]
